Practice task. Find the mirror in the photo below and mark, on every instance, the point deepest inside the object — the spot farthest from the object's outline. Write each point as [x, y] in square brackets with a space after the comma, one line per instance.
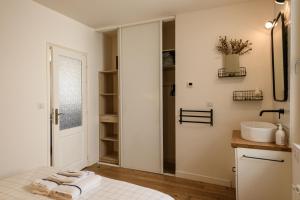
[279, 59]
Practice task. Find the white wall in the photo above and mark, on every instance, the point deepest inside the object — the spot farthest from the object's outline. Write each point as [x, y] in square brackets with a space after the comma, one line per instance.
[295, 79]
[203, 152]
[25, 29]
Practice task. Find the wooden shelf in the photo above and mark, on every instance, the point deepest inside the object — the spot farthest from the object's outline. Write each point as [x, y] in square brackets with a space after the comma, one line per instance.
[110, 138]
[113, 71]
[111, 158]
[108, 94]
[109, 118]
[168, 50]
[172, 67]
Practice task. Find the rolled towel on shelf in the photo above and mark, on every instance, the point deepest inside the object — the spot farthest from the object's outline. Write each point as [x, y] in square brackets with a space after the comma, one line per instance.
[42, 187]
[76, 190]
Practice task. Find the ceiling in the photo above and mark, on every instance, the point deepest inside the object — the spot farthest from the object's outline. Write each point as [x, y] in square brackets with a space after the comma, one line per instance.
[103, 13]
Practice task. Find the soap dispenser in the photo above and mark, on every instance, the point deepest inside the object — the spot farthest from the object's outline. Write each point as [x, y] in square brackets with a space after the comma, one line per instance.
[280, 135]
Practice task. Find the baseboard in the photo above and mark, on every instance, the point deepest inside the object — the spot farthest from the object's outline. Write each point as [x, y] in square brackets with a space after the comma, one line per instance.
[108, 164]
[202, 178]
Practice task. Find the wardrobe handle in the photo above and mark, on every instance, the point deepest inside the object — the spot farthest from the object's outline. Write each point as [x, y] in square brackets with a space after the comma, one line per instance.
[258, 158]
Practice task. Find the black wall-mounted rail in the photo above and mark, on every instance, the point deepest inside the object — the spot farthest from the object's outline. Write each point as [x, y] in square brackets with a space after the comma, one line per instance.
[192, 114]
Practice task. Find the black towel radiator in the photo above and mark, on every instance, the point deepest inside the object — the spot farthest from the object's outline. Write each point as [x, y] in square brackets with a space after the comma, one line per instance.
[192, 114]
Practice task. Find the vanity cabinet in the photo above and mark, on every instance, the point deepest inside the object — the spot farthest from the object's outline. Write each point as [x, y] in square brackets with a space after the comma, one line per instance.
[262, 174]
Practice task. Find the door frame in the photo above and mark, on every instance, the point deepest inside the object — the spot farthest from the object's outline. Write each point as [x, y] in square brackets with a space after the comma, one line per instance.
[161, 96]
[49, 58]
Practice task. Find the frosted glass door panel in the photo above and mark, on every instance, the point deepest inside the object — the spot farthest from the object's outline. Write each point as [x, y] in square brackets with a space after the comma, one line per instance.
[140, 76]
[69, 92]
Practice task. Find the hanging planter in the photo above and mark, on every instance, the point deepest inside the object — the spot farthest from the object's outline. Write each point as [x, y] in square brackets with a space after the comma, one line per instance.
[231, 63]
[231, 51]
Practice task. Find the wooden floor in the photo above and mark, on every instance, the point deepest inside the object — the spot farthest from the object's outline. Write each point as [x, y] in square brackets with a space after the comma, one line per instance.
[180, 189]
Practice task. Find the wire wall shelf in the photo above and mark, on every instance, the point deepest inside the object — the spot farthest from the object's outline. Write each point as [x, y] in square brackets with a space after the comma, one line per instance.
[223, 74]
[248, 95]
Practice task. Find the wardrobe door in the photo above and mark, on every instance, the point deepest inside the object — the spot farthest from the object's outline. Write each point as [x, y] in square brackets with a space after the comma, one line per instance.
[140, 83]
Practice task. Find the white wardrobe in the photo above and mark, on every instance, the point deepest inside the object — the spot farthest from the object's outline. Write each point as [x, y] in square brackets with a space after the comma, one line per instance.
[137, 65]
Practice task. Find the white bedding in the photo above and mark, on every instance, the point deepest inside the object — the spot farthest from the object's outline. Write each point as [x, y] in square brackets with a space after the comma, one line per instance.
[16, 188]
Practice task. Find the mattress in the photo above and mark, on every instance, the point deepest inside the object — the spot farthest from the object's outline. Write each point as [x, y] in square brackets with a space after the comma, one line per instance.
[17, 188]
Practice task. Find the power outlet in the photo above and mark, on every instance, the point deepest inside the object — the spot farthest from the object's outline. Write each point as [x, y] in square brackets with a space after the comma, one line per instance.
[210, 104]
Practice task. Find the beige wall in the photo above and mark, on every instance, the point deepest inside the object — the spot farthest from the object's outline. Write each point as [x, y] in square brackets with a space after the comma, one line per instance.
[204, 152]
[26, 27]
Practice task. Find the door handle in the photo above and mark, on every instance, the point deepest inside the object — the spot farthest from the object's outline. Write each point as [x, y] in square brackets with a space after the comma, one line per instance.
[257, 158]
[57, 114]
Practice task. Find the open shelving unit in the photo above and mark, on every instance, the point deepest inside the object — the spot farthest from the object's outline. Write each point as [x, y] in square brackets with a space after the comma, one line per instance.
[109, 102]
[109, 118]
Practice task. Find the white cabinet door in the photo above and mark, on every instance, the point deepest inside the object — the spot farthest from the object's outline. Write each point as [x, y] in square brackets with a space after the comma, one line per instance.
[140, 94]
[263, 175]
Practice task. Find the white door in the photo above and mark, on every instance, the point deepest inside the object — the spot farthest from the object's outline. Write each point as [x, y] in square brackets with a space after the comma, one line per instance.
[68, 106]
[140, 88]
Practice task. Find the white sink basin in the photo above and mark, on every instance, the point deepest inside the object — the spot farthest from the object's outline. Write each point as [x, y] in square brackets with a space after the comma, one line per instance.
[258, 131]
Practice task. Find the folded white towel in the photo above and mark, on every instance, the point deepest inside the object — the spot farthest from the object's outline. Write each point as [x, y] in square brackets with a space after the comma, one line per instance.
[62, 179]
[42, 187]
[78, 174]
[74, 191]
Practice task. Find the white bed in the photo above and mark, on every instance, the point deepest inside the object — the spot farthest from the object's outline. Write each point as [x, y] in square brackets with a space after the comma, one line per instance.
[16, 188]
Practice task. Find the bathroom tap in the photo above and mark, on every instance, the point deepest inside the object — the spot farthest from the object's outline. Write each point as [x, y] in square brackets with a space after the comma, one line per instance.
[279, 111]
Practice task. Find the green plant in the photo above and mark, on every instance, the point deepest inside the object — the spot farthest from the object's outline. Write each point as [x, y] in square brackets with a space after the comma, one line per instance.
[233, 46]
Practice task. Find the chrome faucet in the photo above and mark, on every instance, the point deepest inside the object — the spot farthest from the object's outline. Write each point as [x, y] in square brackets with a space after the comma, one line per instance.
[279, 111]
